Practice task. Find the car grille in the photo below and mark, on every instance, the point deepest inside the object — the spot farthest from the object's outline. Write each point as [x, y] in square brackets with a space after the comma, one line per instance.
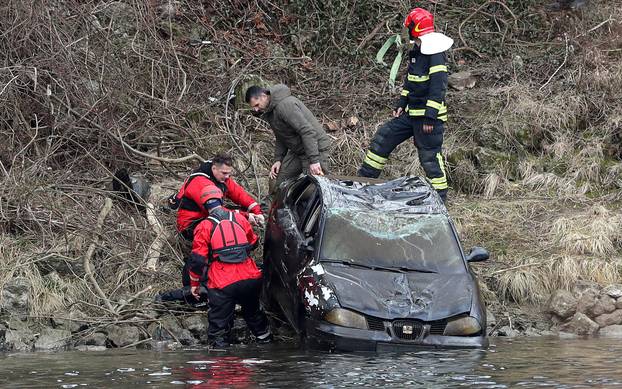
[374, 323]
[407, 329]
[438, 327]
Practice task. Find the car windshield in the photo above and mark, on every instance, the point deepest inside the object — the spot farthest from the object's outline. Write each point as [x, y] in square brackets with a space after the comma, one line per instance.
[418, 242]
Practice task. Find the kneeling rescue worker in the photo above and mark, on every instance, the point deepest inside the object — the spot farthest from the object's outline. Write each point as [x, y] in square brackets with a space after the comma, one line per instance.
[221, 254]
[212, 175]
[421, 110]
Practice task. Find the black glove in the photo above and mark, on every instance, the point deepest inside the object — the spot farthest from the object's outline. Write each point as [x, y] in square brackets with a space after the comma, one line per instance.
[173, 201]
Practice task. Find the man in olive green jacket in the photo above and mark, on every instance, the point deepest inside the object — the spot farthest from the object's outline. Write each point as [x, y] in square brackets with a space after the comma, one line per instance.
[301, 142]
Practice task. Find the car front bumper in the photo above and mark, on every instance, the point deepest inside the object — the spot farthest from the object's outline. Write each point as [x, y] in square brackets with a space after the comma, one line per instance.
[323, 335]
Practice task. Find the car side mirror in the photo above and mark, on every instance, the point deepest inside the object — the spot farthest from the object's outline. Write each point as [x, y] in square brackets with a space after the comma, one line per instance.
[478, 254]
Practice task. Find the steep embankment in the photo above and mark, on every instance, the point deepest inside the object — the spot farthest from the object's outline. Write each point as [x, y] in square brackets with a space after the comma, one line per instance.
[533, 149]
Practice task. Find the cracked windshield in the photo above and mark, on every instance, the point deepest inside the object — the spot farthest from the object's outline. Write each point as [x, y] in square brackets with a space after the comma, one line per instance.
[408, 242]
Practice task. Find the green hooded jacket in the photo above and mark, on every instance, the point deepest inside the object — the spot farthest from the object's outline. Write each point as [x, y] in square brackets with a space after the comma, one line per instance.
[294, 126]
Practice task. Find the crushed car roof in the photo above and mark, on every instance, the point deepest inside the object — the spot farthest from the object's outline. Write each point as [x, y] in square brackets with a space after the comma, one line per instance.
[404, 194]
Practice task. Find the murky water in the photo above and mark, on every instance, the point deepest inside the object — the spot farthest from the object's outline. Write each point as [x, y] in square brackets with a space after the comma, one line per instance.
[523, 363]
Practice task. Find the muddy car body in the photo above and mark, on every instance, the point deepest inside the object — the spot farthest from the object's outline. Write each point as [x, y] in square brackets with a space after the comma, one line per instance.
[360, 265]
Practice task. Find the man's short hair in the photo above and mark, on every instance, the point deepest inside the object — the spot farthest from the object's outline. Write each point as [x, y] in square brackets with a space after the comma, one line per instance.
[255, 91]
[222, 159]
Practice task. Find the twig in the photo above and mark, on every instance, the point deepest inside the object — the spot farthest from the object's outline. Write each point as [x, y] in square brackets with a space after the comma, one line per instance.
[371, 34]
[89, 253]
[560, 66]
[515, 267]
[121, 306]
[125, 144]
[466, 46]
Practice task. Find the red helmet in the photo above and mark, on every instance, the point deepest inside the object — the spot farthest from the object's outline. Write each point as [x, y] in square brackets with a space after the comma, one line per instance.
[419, 22]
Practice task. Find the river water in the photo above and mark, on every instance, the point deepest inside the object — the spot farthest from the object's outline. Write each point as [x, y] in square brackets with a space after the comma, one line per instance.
[520, 362]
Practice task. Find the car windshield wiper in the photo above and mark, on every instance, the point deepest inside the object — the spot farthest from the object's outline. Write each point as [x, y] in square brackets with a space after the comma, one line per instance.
[373, 267]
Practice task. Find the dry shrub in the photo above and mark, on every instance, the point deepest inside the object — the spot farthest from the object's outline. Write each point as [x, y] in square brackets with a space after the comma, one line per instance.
[562, 272]
[493, 183]
[524, 283]
[595, 232]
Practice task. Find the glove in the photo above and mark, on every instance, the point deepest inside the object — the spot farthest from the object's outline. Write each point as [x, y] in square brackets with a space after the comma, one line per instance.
[256, 220]
[173, 201]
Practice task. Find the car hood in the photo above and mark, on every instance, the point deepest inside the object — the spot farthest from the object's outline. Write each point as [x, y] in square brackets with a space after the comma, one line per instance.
[390, 295]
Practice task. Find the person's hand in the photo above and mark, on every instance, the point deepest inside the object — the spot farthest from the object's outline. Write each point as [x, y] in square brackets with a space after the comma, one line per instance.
[256, 220]
[195, 292]
[397, 112]
[316, 168]
[274, 170]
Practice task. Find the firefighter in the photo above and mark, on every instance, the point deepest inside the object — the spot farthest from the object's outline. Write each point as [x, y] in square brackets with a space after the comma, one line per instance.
[421, 110]
[213, 175]
[301, 143]
[221, 255]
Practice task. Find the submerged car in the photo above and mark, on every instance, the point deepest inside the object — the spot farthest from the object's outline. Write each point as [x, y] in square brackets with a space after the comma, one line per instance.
[361, 264]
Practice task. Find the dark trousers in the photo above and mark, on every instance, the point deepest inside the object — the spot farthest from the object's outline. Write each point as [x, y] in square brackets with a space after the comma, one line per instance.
[222, 304]
[429, 149]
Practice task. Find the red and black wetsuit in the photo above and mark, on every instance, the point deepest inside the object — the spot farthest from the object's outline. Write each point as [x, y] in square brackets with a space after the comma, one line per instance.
[196, 190]
[220, 253]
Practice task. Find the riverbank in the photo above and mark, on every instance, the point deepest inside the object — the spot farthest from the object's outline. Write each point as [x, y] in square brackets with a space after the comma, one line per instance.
[533, 144]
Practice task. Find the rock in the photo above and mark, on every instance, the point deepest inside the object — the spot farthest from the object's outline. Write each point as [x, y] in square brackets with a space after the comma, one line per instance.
[582, 287]
[566, 335]
[15, 296]
[85, 347]
[169, 329]
[562, 303]
[587, 301]
[619, 303]
[532, 332]
[608, 319]
[73, 321]
[614, 291]
[16, 341]
[461, 80]
[613, 331]
[121, 336]
[3, 346]
[580, 324]
[509, 332]
[491, 320]
[604, 304]
[196, 324]
[53, 339]
[94, 339]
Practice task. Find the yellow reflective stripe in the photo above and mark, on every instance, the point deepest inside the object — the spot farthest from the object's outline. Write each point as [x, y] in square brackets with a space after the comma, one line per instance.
[376, 157]
[416, 112]
[439, 183]
[373, 163]
[413, 78]
[437, 68]
[434, 104]
[404, 92]
[442, 118]
[442, 110]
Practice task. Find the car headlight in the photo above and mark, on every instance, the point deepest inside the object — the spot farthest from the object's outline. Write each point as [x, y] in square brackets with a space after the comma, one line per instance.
[345, 318]
[462, 326]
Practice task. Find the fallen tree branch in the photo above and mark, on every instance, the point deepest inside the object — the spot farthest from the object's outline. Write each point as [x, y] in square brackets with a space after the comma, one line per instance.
[89, 253]
[153, 254]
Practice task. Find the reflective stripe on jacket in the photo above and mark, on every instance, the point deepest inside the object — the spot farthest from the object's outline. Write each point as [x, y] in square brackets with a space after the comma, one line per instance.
[423, 93]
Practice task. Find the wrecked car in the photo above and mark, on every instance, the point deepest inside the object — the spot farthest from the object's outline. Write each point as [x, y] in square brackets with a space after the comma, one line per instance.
[362, 264]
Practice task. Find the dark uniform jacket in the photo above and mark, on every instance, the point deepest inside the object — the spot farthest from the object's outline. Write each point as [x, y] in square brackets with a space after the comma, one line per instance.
[423, 93]
[295, 127]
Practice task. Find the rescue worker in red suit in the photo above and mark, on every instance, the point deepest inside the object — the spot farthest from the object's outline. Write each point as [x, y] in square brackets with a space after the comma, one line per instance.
[211, 175]
[421, 110]
[220, 255]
